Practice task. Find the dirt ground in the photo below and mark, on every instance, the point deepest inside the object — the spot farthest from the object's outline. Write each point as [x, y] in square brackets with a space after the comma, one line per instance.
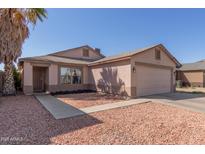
[24, 121]
[89, 99]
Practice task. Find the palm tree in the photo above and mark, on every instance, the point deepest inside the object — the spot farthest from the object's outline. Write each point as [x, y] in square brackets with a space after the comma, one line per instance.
[14, 23]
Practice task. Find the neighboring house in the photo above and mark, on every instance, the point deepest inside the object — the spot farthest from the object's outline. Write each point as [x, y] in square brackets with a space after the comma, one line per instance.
[192, 74]
[141, 72]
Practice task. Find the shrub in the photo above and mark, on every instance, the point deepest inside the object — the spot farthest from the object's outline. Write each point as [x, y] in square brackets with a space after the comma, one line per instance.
[179, 84]
[72, 92]
[17, 78]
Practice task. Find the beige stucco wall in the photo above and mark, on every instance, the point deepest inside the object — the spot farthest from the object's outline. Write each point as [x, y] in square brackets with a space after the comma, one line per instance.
[112, 77]
[28, 74]
[147, 58]
[53, 74]
[78, 53]
[85, 75]
[27, 78]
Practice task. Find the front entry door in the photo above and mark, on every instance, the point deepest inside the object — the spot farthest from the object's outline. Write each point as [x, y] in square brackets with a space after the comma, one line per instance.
[39, 77]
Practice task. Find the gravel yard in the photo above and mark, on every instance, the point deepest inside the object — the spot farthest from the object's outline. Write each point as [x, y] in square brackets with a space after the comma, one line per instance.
[24, 121]
[88, 99]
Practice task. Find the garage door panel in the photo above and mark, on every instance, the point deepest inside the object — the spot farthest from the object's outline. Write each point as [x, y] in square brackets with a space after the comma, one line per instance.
[152, 80]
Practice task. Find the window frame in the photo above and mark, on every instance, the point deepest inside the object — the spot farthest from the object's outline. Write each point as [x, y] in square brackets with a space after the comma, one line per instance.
[87, 54]
[70, 67]
[157, 54]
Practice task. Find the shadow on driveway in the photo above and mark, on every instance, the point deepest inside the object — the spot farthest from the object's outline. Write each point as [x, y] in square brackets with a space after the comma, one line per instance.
[176, 96]
[193, 102]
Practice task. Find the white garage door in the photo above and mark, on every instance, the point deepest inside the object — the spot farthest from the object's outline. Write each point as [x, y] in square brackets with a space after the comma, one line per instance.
[152, 80]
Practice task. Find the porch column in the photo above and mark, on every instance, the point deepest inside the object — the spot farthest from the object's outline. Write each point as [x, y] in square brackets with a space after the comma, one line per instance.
[28, 78]
[53, 76]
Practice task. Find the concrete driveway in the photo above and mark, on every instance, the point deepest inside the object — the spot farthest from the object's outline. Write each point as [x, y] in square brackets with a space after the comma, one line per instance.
[193, 102]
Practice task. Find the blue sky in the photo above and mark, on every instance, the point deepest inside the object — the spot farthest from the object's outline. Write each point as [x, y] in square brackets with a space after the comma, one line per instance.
[114, 31]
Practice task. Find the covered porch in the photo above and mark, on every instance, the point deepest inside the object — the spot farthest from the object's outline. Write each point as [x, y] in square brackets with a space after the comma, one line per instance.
[37, 77]
[40, 79]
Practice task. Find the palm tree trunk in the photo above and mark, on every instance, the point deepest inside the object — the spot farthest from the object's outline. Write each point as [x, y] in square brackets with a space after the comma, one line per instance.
[8, 88]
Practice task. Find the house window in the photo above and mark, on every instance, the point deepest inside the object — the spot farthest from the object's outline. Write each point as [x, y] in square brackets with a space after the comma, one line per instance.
[157, 54]
[70, 75]
[85, 52]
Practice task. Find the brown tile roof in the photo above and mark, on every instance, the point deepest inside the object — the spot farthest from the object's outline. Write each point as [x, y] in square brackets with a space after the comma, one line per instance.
[53, 58]
[84, 46]
[56, 59]
[131, 53]
[200, 65]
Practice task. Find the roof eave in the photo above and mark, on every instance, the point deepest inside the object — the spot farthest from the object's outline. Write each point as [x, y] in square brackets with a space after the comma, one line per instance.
[188, 70]
[178, 64]
[49, 61]
[109, 61]
[84, 46]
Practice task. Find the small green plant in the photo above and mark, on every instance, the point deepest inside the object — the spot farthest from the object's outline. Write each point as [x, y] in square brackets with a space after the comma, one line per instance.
[179, 84]
[17, 78]
[192, 86]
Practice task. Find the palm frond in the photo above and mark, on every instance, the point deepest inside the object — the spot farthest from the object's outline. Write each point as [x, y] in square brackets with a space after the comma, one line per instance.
[35, 14]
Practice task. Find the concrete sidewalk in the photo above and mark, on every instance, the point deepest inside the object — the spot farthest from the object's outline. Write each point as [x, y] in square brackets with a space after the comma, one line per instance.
[62, 110]
[113, 105]
[58, 108]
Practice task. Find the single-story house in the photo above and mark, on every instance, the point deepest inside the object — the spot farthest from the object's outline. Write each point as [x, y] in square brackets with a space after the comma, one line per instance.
[137, 73]
[192, 74]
